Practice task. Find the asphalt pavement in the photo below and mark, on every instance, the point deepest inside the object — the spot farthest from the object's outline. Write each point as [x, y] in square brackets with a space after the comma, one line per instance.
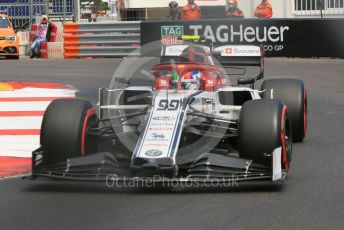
[312, 198]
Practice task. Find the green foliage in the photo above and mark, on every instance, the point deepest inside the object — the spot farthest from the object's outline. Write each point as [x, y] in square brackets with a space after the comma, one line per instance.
[104, 6]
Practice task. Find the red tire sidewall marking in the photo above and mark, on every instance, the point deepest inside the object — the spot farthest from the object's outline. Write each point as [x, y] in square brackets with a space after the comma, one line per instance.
[89, 114]
[284, 148]
[305, 112]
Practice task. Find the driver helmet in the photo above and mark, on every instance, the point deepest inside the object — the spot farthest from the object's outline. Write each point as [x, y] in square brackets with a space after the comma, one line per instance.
[194, 84]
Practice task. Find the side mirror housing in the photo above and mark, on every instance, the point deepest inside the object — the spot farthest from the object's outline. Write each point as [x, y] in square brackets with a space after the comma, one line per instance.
[246, 81]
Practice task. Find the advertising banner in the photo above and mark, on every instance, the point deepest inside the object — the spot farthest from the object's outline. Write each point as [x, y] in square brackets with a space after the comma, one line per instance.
[279, 37]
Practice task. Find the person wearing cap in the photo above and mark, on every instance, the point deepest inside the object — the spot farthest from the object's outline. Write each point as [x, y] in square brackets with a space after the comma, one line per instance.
[191, 11]
[174, 11]
[43, 35]
[233, 11]
[263, 10]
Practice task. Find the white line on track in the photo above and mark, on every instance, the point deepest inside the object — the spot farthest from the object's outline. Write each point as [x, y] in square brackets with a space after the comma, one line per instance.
[24, 106]
[18, 146]
[13, 123]
[36, 92]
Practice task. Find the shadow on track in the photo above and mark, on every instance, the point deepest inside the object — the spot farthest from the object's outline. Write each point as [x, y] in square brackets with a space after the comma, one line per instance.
[44, 186]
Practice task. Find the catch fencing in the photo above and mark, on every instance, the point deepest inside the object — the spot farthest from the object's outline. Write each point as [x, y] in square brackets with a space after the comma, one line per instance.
[23, 13]
[101, 39]
[318, 7]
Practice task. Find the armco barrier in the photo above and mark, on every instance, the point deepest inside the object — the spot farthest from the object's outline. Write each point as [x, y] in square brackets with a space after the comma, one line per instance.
[101, 39]
[280, 37]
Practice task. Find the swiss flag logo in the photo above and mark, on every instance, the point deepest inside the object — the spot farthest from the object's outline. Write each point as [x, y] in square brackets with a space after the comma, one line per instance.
[228, 50]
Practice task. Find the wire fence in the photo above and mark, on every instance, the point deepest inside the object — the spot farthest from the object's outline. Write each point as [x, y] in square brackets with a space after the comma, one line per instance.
[61, 6]
[161, 13]
[23, 13]
[316, 7]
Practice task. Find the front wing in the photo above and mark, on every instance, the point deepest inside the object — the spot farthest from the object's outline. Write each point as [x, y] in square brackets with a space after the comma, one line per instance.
[102, 167]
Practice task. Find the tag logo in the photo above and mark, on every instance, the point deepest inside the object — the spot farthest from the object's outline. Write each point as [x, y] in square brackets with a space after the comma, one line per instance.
[170, 34]
[172, 30]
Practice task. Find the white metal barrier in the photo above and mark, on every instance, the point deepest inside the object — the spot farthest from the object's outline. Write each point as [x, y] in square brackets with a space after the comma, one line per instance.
[101, 39]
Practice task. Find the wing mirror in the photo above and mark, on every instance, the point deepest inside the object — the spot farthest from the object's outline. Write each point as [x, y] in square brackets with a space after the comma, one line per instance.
[246, 81]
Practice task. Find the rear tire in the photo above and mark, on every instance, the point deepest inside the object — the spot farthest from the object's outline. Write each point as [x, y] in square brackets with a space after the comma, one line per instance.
[294, 94]
[264, 126]
[64, 128]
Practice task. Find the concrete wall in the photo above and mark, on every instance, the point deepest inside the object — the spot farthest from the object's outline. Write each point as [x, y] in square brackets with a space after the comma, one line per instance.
[285, 9]
[164, 3]
[281, 8]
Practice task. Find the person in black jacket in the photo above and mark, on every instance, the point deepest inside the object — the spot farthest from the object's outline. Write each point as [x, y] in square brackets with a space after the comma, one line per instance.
[174, 11]
[43, 35]
[233, 10]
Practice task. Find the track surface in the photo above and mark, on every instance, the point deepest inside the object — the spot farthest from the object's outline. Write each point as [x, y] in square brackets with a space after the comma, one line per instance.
[312, 198]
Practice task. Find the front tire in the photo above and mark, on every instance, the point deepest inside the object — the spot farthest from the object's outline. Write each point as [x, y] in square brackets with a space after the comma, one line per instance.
[294, 94]
[264, 126]
[64, 129]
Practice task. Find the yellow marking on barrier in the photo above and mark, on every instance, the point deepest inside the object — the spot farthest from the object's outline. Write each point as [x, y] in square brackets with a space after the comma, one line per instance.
[190, 37]
[5, 87]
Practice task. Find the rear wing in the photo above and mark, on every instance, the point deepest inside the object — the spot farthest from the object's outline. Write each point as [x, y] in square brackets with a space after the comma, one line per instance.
[229, 57]
[173, 52]
[240, 55]
[226, 55]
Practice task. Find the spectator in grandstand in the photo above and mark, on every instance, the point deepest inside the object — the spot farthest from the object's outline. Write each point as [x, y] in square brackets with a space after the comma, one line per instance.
[43, 35]
[233, 11]
[263, 10]
[191, 11]
[174, 11]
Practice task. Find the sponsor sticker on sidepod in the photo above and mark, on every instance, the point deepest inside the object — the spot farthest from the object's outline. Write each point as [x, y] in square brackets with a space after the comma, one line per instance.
[239, 51]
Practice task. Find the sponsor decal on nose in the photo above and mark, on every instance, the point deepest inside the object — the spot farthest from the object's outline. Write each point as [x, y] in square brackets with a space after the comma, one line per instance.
[153, 153]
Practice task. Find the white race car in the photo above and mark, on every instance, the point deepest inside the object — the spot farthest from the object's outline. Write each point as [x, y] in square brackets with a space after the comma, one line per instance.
[188, 123]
